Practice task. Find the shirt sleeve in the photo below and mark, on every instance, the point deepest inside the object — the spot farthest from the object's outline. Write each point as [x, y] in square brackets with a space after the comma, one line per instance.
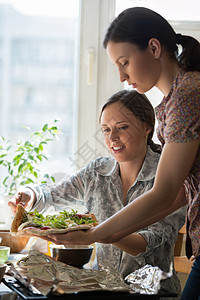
[182, 115]
[67, 194]
[162, 236]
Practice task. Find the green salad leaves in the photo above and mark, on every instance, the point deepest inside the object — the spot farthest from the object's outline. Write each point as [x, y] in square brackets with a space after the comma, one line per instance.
[61, 220]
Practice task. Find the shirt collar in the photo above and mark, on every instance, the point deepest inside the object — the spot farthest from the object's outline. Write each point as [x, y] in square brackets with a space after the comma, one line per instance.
[149, 166]
[108, 167]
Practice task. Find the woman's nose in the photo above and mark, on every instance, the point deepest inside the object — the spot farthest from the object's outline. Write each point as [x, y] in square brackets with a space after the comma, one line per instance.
[122, 76]
[114, 135]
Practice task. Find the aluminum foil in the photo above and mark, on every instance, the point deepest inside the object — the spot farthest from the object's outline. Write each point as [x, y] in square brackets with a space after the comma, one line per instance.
[50, 276]
[146, 280]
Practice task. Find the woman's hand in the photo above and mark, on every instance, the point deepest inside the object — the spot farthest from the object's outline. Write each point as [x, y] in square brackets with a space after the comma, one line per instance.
[25, 198]
[77, 237]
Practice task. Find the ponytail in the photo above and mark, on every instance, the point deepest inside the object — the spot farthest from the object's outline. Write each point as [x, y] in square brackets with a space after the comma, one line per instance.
[189, 58]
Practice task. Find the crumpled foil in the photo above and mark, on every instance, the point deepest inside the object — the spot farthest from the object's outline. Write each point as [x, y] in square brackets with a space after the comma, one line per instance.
[146, 280]
[50, 276]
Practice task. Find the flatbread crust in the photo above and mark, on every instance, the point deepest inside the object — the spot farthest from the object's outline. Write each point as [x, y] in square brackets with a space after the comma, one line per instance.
[39, 232]
[19, 219]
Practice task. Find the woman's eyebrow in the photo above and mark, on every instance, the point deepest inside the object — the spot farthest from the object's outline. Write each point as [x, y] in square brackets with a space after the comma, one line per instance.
[119, 122]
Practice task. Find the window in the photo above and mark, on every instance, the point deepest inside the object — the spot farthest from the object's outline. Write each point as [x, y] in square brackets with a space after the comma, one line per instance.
[39, 73]
[179, 10]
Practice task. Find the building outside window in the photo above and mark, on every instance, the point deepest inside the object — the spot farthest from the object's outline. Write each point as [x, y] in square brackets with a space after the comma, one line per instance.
[38, 72]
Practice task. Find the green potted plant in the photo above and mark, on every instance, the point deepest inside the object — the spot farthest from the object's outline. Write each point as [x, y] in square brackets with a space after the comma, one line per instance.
[23, 159]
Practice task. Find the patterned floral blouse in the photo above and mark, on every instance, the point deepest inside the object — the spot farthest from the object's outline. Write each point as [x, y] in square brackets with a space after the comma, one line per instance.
[179, 121]
[97, 188]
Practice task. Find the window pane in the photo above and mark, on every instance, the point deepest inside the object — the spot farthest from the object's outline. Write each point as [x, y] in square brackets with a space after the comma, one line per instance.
[179, 10]
[38, 73]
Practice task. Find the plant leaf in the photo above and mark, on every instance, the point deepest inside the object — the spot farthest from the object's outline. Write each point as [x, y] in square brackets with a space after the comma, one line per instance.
[45, 127]
[37, 150]
[21, 158]
[31, 157]
[39, 157]
[53, 179]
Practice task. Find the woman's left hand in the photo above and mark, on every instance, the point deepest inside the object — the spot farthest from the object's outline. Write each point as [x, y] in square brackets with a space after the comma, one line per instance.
[78, 237]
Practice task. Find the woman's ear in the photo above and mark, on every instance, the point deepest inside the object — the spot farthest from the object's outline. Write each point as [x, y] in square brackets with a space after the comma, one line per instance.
[155, 47]
[147, 130]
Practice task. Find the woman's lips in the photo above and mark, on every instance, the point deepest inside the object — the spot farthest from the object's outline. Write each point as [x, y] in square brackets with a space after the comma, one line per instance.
[134, 85]
[118, 149]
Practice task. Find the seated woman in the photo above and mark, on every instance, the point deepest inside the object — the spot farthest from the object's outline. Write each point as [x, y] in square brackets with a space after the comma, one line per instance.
[108, 184]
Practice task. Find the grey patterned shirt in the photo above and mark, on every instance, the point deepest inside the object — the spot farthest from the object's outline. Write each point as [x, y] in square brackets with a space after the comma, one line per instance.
[97, 188]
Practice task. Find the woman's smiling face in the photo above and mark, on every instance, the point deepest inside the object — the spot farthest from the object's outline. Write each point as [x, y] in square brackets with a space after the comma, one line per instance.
[140, 68]
[124, 134]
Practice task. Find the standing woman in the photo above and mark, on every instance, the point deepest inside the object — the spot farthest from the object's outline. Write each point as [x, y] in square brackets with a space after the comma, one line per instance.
[143, 46]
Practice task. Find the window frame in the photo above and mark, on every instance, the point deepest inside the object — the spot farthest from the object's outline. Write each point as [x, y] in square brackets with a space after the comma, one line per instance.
[104, 81]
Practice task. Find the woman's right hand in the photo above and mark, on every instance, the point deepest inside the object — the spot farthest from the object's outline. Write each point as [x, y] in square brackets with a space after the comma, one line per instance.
[25, 198]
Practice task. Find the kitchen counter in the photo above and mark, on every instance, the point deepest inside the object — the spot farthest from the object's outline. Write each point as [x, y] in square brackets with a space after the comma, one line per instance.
[14, 288]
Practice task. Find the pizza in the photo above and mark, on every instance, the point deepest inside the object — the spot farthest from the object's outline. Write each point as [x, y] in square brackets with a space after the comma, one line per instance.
[34, 223]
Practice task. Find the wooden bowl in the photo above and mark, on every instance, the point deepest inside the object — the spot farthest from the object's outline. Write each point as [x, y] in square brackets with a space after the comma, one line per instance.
[73, 255]
[16, 244]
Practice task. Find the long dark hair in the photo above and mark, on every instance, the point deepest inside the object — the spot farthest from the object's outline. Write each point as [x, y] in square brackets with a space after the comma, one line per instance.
[141, 108]
[137, 25]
